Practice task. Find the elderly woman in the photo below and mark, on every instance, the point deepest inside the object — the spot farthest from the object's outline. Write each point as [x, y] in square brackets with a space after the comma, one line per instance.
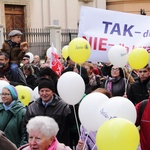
[12, 112]
[42, 132]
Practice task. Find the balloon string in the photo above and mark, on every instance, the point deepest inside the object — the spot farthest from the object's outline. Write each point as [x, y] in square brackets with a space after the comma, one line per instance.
[76, 120]
[94, 146]
[86, 140]
[127, 81]
[80, 70]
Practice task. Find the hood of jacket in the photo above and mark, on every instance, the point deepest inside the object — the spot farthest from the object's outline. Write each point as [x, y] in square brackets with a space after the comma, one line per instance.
[16, 107]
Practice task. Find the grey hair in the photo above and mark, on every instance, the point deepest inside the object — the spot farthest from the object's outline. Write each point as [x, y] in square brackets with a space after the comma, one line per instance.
[43, 124]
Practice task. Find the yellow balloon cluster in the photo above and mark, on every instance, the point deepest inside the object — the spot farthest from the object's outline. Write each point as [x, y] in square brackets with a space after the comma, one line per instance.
[117, 134]
[138, 58]
[79, 50]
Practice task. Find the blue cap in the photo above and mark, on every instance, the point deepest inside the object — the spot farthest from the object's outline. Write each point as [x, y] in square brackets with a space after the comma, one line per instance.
[13, 91]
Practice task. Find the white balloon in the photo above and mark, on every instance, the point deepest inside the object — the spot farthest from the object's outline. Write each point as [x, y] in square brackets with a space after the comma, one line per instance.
[118, 107]
[31, 93]
[35, 93]
[89, 108]
[2, 84]
[71, 87]
[118, 56]
[49, 51]
[31, 56]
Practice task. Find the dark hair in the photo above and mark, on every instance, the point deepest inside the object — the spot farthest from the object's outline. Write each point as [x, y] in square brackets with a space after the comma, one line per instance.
[48, 71]
[147, 66]
[68, 58]
[27, 56]
[104, 91]
[5, 55]
[29, 68]
[120, 71]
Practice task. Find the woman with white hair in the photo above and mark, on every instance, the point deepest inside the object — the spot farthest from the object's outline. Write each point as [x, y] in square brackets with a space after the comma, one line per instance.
[42, 131]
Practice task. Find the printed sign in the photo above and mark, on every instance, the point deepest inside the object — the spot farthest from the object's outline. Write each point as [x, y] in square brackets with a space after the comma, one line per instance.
[104, 29]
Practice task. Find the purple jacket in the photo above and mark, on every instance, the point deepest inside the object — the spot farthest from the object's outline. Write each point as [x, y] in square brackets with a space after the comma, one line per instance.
[90, 141]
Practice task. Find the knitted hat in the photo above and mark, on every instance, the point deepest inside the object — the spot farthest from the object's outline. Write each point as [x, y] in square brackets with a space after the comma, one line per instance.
[47, 71]
[13, 91]
[46, 83]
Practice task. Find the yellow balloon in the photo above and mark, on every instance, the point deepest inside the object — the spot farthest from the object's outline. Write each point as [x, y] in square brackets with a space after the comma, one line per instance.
[117, 134]
[65, 51]
[23, 94]
[138, 58]
[79, 50]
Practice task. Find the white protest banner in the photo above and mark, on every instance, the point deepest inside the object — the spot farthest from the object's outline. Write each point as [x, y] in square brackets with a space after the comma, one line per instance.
[104, 29]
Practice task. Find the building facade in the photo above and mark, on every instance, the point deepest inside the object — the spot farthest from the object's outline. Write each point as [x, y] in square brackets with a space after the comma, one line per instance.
[56, 15]
[129, 6]
[43, 13]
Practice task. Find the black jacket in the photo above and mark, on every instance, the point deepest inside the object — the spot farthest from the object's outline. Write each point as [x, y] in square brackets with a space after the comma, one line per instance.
[10, 76]
[58, 110]
[31, 81]
[118, 86]
[138, 91]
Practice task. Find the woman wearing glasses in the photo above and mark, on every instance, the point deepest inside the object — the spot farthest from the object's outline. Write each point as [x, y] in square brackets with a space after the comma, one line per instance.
[116, 83]
[12, 112]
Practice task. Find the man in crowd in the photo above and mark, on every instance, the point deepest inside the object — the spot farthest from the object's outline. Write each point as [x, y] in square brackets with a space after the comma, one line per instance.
[6, 72]
[143, 120]
[36, 61]
[137, 90]
[50, 104]
[25, 60]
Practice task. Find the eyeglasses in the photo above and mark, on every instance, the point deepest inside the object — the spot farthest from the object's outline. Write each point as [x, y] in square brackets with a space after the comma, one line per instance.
[115, 69]
[144, 71]
[24, 59]
[5, 94]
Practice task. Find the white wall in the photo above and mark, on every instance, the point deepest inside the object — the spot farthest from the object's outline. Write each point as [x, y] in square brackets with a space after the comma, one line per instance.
[64, 13]
[36, 13]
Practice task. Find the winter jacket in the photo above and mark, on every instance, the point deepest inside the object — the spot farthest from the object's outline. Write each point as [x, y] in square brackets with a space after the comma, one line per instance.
[58, 110]
[138, 91]
[10, 76]
[12, 123]
[117, 86]
[6, 144]
[31, 79]
[144, 121]
[13, 50]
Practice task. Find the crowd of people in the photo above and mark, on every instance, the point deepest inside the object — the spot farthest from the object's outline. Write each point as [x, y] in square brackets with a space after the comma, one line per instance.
[49, 122]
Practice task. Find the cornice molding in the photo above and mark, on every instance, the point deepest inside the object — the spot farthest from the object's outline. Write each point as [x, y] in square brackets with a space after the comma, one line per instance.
[114, 2]
[86, 1]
